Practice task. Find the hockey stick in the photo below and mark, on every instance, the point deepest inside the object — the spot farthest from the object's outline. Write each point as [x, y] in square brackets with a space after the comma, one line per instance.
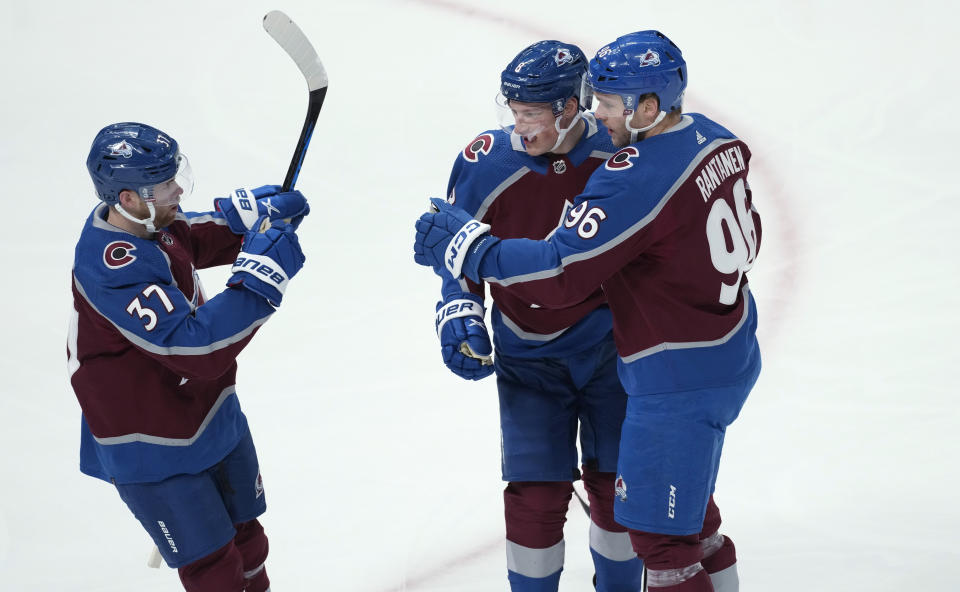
[292, 40]
[289, 36]
[583, 502]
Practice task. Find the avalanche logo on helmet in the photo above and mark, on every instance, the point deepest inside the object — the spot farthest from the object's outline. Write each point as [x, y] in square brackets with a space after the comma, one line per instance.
[481, 145]
[563, 56]
[651, 58]
[121, 149]
[621, 160]
[119, 254]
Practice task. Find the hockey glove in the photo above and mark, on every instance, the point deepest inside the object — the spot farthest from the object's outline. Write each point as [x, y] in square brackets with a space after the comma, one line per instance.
[267, 261]
[245, 206]
[447, 237]
[464, 342]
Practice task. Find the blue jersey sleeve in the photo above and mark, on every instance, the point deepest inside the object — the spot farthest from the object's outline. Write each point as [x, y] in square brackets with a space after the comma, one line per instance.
[600, 234]
[476, 172]
[212, 241]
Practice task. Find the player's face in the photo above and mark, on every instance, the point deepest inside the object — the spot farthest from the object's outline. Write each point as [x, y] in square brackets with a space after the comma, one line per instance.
[165, 215]
[536, 123]
[166, 199]
[611, 113]
[166, 193]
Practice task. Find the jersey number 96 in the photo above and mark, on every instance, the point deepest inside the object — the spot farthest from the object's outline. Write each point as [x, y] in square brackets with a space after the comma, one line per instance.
[739, 227]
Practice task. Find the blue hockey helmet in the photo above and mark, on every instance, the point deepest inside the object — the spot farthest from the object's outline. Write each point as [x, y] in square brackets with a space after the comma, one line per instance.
[545, 72]
[640, 63]
[133, 156]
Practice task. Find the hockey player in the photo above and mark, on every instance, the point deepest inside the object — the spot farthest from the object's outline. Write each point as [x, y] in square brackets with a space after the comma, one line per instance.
[668, 229]
[152, 360]
[556, 367]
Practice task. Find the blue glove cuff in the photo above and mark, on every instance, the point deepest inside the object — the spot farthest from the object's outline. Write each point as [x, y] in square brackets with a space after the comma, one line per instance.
[460, 307]
[260, 274]
[459, 246]
[240, 209]
[471, 264]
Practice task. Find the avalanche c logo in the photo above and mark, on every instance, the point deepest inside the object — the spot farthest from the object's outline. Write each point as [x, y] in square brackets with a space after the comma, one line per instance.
[118, 254]
[481, 145]
[621, 160]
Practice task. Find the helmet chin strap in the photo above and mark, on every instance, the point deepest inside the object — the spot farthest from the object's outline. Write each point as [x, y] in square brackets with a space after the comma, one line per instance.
[562, 133]
[147, 222]
[636, 131]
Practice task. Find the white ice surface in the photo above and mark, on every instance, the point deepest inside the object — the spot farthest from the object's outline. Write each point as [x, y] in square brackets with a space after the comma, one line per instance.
[381, 467]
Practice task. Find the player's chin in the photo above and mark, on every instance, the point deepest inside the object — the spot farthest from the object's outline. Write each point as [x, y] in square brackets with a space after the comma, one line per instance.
[166, 218]
[535, 148]
[620, 139]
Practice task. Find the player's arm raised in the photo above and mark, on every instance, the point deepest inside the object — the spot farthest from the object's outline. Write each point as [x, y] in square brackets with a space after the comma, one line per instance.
[588, 248]
[150, 311]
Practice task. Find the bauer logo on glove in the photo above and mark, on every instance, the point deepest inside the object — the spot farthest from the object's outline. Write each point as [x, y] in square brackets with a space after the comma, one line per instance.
[245, 207]
[464, 342]
[267, 261]
[264, 266]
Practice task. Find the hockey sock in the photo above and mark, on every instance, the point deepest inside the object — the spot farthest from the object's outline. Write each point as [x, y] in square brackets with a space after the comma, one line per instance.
[719, 554]
[253, 545]
[690, 579]
[618, 569]
[616, 576]
[221, 570]
[720, 561]
[535, 514]
[673, 561]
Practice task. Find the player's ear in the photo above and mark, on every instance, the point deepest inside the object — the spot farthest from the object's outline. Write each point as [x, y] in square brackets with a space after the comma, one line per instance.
[570, 108]
[128, 199]
[650, 104]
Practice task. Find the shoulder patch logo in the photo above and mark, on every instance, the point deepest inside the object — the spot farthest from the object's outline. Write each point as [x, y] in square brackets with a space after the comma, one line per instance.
[700, 138]
[119, 254]
[480, 145]
[621, 160]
